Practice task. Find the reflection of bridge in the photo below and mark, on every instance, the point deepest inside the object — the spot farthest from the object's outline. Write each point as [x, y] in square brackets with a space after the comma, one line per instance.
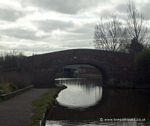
[113, 65]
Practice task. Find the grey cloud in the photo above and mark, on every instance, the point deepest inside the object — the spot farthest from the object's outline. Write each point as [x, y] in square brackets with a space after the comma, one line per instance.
[86, 28]
[50, 25]
[2, 47]
[9, 14]
[106, 13]
[64, 6]
[80, 36]
[19, 33]
[24, 48]
[122, 8]
[76, 44]
[77, 40]
[145, 11]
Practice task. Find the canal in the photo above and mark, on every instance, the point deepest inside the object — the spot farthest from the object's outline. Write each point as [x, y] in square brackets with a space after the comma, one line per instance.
[86, 103]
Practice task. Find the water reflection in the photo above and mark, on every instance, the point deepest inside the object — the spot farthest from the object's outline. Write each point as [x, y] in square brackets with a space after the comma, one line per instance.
[102, 103]
[93, 123]
[80, 93]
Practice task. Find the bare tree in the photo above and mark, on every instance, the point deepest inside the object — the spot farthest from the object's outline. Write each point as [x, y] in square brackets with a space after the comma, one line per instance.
[115, 36]
[110, 35]
[136, 24]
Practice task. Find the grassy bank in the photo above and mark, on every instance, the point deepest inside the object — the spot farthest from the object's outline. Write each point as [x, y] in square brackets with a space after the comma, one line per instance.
[41, 105]
[7, 87]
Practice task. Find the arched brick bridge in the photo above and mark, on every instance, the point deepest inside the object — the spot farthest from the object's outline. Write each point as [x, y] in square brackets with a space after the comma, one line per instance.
[113, 65]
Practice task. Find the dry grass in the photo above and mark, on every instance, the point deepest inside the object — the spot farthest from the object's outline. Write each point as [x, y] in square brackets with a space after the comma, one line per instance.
[41, 105]
[7, 87]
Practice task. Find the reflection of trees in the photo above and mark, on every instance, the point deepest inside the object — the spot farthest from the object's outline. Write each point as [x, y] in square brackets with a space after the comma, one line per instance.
[116, 103]
[125, 103]
[86, 84]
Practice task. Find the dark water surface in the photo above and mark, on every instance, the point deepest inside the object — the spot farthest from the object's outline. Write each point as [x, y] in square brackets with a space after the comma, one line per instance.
[86, 103]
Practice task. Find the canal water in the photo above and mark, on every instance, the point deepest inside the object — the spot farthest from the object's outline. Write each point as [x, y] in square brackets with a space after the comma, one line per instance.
[86, 103]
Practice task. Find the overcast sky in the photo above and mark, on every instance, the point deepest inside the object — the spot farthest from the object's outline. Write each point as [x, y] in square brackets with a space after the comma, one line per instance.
[39, 26]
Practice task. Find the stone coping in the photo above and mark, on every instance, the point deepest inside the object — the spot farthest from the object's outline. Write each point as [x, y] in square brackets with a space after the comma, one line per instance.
[14, 93]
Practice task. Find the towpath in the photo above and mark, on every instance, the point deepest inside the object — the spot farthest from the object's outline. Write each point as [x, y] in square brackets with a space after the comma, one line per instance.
[18, 110]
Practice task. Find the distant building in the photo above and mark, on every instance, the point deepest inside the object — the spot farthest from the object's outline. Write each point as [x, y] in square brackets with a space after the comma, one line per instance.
[81, 71]
[69, 72]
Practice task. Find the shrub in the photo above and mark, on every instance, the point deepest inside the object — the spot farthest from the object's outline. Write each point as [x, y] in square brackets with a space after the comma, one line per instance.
[142, 63]
[7, 87]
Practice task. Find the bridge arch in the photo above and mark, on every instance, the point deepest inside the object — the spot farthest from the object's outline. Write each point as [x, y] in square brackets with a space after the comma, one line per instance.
[102, 71]
[113, 65]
